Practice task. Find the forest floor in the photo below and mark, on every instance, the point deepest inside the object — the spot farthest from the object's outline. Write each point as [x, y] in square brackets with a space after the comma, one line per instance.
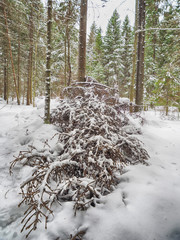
[144, 206]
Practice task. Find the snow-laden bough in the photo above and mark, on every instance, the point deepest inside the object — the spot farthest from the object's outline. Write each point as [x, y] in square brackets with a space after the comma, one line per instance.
[87, 161]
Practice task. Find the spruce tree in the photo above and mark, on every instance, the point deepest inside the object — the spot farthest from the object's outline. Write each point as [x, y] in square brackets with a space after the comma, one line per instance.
[99, 70]
[112, 51]
[91, 52]
[153, 12]
[126, 56]
[162, 54]
[94, 64]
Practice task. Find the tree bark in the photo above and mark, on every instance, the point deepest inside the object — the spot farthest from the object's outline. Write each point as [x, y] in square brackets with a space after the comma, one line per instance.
[65, 61]
[155, 39]
[82, 42]
[48, 64]
[68, 43]
[30, 58]
[35, 70]
[11, 57]
[134, 58]
[18, 76]
[69, 58]
[5, 80]
[167, 94]
[140, 57]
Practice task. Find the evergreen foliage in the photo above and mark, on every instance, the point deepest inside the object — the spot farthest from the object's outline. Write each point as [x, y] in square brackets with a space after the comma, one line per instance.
[109, 57]
[65, 44]
[126, 57]
[162, 54]
[94, 64]
[112, 51]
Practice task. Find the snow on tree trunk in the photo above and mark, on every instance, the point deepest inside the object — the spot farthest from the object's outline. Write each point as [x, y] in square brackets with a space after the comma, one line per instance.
[134, 58]
[82, 41]
[140, 56]
[48, 64]
[30, 57]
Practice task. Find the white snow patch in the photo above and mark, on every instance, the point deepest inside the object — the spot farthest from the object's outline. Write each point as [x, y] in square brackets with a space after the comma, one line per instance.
[144, 206]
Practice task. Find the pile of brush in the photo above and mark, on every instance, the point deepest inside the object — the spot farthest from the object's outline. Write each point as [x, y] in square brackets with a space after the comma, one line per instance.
[86, 163]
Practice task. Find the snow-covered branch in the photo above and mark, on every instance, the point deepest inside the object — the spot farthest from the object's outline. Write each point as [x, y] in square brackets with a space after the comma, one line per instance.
[86, 163]
[159, 29]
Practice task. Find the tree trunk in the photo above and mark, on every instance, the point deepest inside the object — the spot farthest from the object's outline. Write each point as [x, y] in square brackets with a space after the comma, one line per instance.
[18, 63]
[140, 57]
[48, 64]
[69, 57]
[65, 61]
[11, 57]
[35, 71]
[82, 42]
[34, 80]
[155, 23]
[134, 58]
[167, 94]
[30, 58]
[5, 80]
[18, 77]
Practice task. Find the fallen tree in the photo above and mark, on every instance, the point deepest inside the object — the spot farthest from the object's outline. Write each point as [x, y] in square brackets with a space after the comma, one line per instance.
[88, 159]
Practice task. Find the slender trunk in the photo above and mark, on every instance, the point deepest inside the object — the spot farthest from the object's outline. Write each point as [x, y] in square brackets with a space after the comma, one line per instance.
[7, 82]
[69, 57]
[68, 42]
[155, 23]
[28, 86]
[140, 57]
[178, 101]
[35, 75]
[24, 92]
[48, 65]
[134, 58]
[11, 57]
[35, 66]
[154, 52]
[18, 67]
[5, 78]
[65, 61]
[82, 42]
[154, 47]
[30, 59]
[167, 95]
[18, 77]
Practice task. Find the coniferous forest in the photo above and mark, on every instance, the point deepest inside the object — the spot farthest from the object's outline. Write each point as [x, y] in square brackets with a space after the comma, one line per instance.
[89, 121]
[111, 58]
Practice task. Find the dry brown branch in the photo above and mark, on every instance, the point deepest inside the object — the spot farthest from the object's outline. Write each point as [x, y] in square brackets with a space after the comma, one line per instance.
[91, 151]
[78, 235]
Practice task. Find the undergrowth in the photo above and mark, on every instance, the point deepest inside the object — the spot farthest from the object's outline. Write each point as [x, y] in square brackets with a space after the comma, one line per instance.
[86, 163]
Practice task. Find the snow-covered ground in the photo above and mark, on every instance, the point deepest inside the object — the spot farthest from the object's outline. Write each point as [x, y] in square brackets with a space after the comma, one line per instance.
[145, 205]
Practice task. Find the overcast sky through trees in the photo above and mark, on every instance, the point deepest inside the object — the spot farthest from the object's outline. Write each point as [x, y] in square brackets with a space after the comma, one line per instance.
[101, 13]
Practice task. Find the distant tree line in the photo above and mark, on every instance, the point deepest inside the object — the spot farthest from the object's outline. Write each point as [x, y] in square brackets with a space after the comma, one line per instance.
[111, 59]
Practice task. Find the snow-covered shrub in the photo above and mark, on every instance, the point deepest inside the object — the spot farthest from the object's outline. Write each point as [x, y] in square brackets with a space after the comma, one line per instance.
[87, 161]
